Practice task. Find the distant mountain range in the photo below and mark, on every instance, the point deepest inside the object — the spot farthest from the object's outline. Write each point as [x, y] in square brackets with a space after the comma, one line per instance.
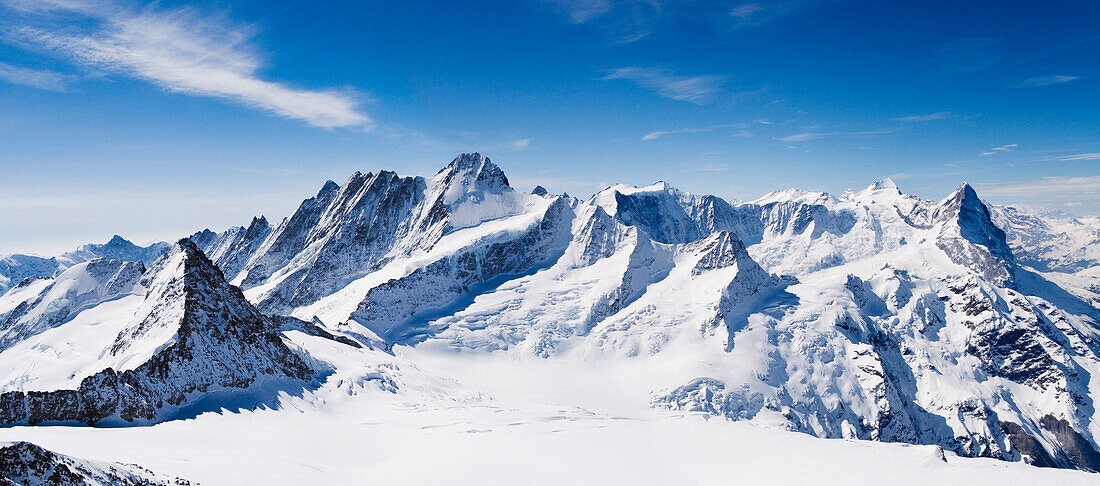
[870, 315]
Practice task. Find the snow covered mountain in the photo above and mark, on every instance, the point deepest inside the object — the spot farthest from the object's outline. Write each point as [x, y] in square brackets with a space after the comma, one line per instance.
[191, 335]
[14, 269]
[872, 315]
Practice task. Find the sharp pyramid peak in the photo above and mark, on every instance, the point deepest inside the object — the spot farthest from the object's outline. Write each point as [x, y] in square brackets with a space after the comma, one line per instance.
[328, 186]
[962, 198]
[469, 173]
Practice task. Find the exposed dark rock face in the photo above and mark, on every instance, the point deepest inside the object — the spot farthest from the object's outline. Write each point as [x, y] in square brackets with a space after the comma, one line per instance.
[26, 463]
[218, 341]
[970, 238]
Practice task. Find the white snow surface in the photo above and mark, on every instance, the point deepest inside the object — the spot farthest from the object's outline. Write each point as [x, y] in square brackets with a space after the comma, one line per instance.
[504, 421]
[644, 335]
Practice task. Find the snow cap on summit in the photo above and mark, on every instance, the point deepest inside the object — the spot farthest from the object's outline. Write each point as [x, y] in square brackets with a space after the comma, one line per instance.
[884, 185]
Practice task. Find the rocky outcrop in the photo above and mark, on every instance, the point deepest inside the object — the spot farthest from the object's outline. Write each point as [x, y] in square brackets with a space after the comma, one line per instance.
[23, 463]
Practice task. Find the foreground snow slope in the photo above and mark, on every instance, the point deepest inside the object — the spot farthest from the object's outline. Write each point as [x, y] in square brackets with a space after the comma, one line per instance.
[532, 423]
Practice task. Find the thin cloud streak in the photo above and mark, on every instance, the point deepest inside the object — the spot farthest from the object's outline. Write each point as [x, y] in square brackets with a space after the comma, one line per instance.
[699, 90]
[1044, 81]
[755, 14]
[808, 136]
[182, 50]
[998, 150]
[661, 133]
[35, 78]
[1088, 156]
[1068, 186]
[939, 115]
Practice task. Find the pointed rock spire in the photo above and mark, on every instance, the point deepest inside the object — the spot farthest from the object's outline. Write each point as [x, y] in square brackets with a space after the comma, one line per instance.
[971, 239]
[193, 333]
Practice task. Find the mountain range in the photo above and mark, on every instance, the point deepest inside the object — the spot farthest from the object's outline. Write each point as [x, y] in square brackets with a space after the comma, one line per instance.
[872, 315]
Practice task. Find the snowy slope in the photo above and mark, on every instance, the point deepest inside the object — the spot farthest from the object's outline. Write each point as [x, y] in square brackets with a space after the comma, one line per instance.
[402, 302]
[38, 305]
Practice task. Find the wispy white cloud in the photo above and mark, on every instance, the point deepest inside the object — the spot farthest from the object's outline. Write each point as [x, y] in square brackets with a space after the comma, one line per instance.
[1044, 81]
[807, 136]
[661, 133]
[632, 20]
[802, 137]
[699, 90]
[624, 21]
[1080, 193]
[746, 11]
[581, 11]
[35, 78]
[181, 50]
[939, 115]
[754, 14]
[1088, 156]
[520, 144]
[997, 150]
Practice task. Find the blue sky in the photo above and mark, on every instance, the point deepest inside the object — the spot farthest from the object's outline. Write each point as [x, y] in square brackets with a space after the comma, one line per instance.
[153, 120]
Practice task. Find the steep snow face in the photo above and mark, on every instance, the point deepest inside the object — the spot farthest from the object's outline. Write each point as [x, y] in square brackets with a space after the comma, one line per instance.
[670, 216]
[42, 304]
[474, 190]
[341, 234]
[24, 463]
[396, 309]
[193, 334]
[605, 266]
[349, 231]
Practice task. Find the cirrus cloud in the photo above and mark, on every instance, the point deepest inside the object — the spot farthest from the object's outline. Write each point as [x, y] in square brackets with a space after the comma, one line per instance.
[180, 50]
[699, 90]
